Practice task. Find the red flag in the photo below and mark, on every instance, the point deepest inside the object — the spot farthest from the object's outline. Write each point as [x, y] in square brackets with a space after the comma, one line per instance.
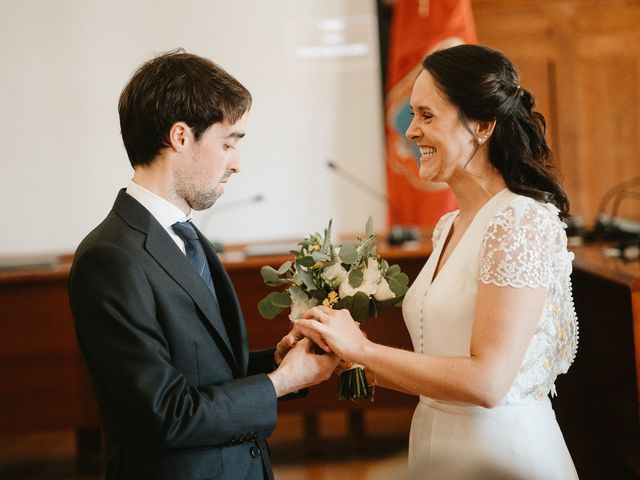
[418, 28]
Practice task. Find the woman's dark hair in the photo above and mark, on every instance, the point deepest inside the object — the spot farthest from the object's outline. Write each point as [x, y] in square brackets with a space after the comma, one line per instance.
[176, 87]
[484, 85]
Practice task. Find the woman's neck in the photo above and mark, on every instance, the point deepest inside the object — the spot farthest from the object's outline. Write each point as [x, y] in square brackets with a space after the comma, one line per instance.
[473, 191]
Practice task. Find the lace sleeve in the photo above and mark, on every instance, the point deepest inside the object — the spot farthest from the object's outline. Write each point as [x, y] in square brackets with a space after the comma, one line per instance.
[519, 245]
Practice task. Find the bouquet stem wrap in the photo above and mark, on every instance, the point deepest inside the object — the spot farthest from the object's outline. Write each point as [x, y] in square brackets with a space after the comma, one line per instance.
[353, 385]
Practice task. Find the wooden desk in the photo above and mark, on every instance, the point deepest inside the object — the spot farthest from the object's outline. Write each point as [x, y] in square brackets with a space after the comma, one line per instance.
[43, 382]
[597, 404]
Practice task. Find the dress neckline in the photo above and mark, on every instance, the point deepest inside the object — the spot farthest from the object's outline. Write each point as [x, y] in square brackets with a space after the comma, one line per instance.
[444, 236]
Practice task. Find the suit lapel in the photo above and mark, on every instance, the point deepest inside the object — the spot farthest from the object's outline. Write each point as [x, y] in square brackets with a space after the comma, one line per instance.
[167, 254]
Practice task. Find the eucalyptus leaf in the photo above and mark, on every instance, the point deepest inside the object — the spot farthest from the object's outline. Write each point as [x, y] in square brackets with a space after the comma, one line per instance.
[360, 307]
[307, 261]
[344, 303]
[326, 245]
[279, 299]
[318, 294]
[369, 227]
[356, 277]
[393, 270]
[307, 278]
[270, 276]
[284, 267]
[398, 284]
[366, 249]
[267, 309]
[320, 257]
[348, 254]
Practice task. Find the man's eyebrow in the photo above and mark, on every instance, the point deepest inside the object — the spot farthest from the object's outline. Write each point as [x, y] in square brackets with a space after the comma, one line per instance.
[235, 135]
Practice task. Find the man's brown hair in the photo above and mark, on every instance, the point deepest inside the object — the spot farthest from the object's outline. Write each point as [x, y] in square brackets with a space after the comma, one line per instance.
[176, 87]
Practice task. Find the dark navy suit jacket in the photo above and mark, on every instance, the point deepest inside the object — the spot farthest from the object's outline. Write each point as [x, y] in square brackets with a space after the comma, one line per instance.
[180, 394]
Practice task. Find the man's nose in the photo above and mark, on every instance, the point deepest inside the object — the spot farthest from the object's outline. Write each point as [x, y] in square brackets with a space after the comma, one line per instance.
[235, 165]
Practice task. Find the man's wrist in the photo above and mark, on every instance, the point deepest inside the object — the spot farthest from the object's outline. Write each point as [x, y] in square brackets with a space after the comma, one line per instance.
[278, 386]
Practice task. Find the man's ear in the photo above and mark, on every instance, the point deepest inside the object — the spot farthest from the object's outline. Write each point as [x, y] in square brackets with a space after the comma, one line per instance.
[179, 134]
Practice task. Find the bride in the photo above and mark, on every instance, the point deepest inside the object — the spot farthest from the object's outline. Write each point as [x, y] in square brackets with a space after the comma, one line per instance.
[490, 315]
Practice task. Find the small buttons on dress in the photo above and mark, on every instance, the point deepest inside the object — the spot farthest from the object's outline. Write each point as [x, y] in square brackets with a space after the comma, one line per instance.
[254, 451]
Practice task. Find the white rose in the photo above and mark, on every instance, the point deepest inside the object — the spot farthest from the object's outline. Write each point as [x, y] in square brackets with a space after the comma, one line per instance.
[300, 302]
[384, 292]
[298, 307]
[369, 284]
[334, 274]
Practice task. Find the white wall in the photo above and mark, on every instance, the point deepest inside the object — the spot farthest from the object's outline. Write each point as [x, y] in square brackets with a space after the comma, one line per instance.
[63, 64]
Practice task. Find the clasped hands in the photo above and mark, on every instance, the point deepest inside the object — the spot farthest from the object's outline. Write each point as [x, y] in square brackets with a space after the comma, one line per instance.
[333, 331]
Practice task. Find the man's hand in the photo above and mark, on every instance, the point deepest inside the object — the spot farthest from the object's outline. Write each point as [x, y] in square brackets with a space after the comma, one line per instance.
[287, 343]
[301, 368]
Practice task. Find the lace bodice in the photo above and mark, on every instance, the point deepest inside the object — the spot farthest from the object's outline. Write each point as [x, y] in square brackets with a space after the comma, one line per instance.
[513, 241]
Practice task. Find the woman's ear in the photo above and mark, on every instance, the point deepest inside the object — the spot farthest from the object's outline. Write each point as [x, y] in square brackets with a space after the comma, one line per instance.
[484, 130]
[179, 133]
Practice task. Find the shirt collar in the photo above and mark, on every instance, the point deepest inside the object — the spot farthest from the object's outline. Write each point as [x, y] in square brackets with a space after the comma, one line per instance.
[165, 212]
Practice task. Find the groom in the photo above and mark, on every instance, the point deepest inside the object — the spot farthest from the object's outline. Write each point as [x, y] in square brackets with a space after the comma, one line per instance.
[157, 318]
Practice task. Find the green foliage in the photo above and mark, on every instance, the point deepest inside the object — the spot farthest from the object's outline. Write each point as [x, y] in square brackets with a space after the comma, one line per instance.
[307, 277]
[271, 277]
[326, 243]
[399, 284]
[348, 254]
[358, 306]
[393, 270]
[284, 267]
[369, 227]
[301, 278]
[306, 261]
[355, 278]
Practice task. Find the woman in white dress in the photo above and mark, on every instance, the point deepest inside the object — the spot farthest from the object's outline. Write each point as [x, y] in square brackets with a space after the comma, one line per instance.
[491, 314]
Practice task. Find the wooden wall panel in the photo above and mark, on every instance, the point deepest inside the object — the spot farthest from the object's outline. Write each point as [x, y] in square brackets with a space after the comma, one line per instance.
[582, 61]
[608, 119]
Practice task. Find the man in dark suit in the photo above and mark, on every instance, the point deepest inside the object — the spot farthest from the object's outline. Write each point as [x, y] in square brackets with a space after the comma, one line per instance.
[157, 318]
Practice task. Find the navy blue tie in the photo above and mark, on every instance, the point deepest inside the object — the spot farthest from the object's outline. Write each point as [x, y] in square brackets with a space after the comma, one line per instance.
[195, 252]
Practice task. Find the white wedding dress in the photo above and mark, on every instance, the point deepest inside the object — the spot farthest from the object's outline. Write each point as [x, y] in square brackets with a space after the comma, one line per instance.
[512, 241]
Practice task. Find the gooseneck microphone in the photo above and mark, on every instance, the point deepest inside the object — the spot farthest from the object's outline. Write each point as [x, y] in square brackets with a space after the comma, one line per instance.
[398, 234]
[351, 178]
[225, 207]
[606, 226]
[232, 205]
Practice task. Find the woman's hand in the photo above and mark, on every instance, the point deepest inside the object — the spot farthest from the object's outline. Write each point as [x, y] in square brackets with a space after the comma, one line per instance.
[343, 366]
[333, 330]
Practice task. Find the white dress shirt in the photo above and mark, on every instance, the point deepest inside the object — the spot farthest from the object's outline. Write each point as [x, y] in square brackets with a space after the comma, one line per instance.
[166, 213]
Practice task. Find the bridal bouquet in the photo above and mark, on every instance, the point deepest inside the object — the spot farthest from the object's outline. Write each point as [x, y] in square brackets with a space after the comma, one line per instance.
[351, 276]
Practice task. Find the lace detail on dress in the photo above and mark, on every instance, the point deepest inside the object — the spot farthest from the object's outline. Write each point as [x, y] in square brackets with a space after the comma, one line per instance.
[437, 231]
[525, 246]
[519, 246]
